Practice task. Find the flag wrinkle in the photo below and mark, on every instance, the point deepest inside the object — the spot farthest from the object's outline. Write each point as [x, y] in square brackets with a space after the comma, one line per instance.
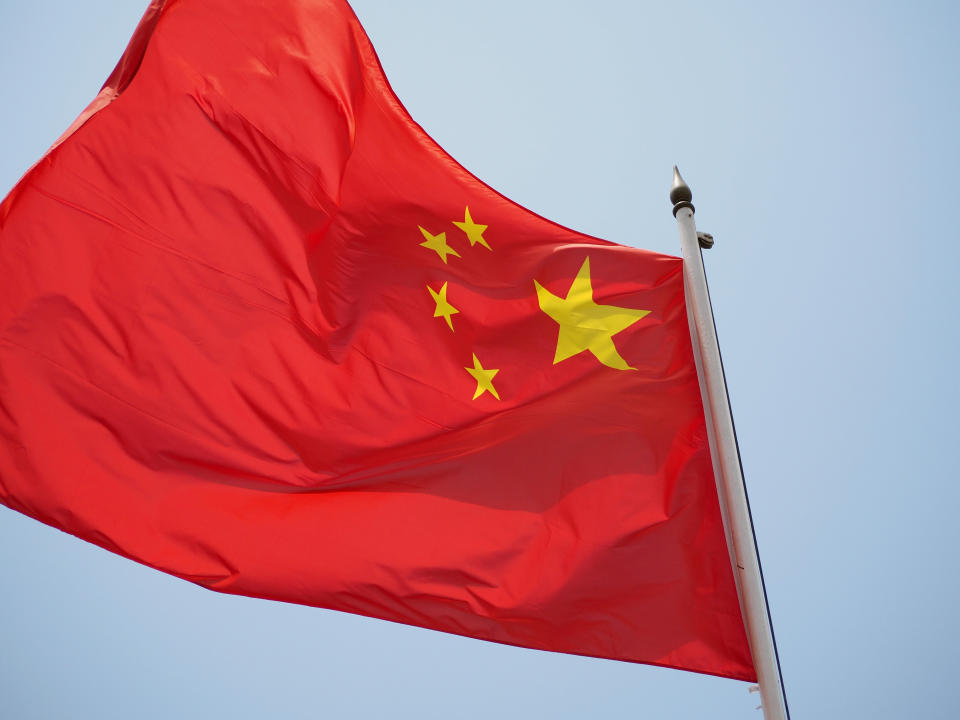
[180, 255]
[257, 147]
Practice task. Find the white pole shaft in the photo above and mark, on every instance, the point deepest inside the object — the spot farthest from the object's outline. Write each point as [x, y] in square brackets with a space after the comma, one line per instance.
[730, 487]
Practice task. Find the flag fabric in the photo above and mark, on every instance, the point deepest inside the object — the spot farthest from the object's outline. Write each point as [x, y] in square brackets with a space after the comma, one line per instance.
[259, 331]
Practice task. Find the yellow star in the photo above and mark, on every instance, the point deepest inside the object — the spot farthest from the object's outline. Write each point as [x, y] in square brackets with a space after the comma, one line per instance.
[484, 379]
[474, 232]
[444, 309]
[584, 325]
[439, 244]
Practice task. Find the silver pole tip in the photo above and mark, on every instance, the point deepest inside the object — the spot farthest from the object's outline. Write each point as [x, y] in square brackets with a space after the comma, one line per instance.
[680, 194]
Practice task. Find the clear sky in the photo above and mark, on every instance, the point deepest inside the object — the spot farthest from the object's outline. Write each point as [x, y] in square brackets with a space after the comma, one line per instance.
[820, 140]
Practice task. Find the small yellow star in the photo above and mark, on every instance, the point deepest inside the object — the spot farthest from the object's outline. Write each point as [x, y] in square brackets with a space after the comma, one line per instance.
[474, 232]
[444, 309]
[484, 379]
[584, 325]
[439, 244]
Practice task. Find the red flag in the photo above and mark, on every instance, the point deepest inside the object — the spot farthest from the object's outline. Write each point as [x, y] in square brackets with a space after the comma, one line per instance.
[259, 331]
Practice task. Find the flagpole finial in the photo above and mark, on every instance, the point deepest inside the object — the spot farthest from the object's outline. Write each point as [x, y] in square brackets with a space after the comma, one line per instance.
[680, 194]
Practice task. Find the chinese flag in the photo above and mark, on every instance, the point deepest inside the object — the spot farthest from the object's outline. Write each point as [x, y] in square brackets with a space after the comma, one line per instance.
[258, 331]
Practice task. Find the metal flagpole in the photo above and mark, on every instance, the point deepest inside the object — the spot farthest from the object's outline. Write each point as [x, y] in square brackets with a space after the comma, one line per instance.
[732, 492]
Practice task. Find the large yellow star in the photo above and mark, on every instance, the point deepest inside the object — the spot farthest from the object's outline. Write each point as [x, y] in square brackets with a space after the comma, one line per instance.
[443, 309]
[438, 243]
[484, 379]
[474, 232]
[584, 325]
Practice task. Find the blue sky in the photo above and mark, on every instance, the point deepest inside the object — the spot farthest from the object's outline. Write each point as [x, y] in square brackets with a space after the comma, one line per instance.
[820, 143]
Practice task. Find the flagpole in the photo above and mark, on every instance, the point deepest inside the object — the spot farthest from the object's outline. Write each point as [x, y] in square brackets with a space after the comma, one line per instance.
[731, 489]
